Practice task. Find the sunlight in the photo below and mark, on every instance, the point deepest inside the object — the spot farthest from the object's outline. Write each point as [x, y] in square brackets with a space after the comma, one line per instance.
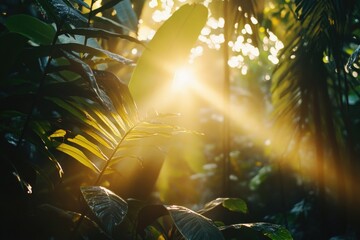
[188, 89]
[184, 79]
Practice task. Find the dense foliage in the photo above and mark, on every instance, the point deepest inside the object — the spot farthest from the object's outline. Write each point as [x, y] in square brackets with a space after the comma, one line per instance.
[81, 152]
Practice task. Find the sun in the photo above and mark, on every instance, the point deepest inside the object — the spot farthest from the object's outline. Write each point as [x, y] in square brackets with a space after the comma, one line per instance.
[184, 79]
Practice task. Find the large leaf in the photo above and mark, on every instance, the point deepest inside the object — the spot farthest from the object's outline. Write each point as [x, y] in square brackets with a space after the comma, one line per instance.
[193, 225]
[167, 51]
[32, 28]
[268, 230]
[108, 207]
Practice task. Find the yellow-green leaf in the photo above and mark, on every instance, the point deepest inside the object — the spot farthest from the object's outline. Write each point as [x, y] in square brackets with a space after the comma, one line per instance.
[58, 133]
[83, 142]
[78, 155]
[167, 51]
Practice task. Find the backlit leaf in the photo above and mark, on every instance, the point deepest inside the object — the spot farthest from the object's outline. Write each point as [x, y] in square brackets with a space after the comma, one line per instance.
[167, 51]
[78, 155]
[85, 143]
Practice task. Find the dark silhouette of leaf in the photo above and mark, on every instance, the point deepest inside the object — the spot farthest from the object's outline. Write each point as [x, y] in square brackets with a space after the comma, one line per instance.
[110, 24]
[148, 215]
[11, 45]
[109, 208]
[99, 33]
[60, 222]
[107, 5]
[193, 225]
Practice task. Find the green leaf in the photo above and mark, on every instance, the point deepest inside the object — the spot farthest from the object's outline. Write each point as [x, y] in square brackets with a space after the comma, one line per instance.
[167, 51]
[268, 230]
[32, 28]
[78, 155]
[193, 225]
[58, 133]
[273, 231]
[233, 204]
[108, 207]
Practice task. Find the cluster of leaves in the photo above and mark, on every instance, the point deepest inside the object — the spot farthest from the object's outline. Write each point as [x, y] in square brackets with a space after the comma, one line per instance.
[57, 93]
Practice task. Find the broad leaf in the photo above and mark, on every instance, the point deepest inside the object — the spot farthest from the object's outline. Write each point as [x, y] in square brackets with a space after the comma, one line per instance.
[268, 230]
[193, 225]
[167, 51]
[32, 28]
[233, 204]
[108, 207]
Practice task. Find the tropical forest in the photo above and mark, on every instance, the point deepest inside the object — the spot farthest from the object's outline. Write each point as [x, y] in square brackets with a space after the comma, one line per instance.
[180, 119]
